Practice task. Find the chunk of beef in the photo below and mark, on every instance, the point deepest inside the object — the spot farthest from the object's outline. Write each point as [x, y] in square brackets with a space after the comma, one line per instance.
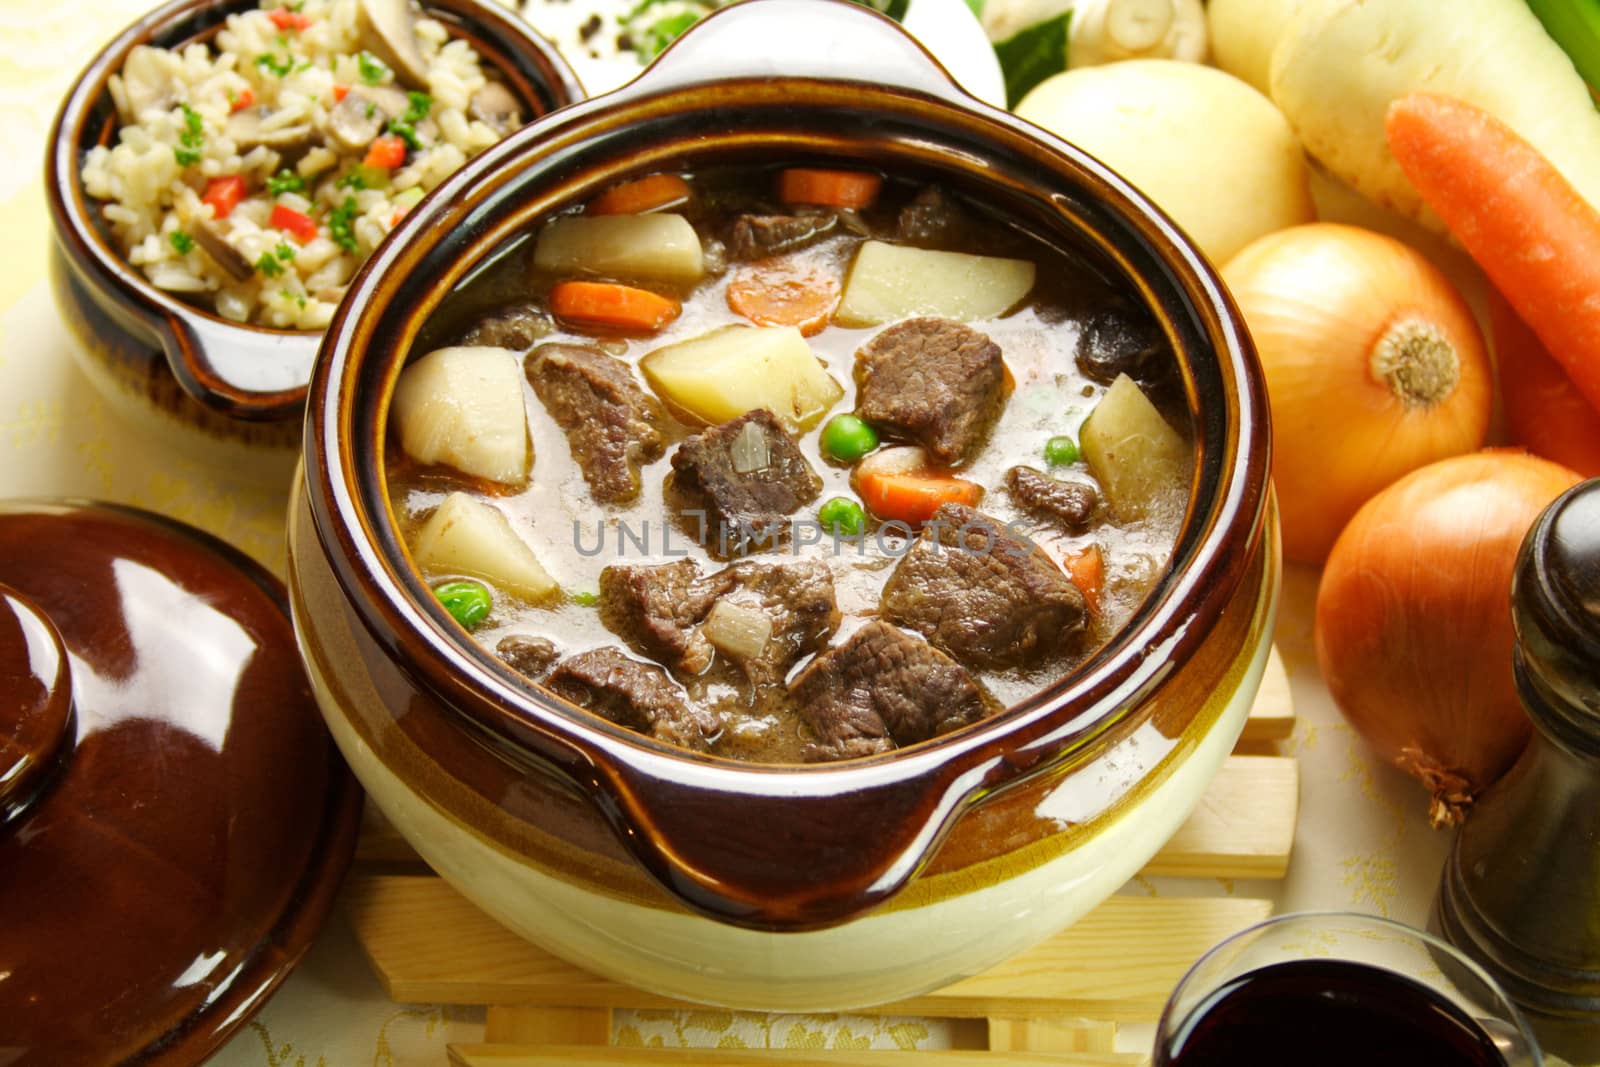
[933, 216]
[744, 510]
[526, 654]
[1113, 344]
[659, 610]
[987, 596]
[883, 688]
[796, 598]
[636, 695]
[760, 236]
[518, 328]
[1069, 503]
[612, 425]
[935, 381]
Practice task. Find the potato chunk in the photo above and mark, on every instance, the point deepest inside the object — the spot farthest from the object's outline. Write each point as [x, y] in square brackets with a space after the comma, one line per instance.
[1142, 463]
[465, 536]
[627, 247]
[723, 374]
[890, 282]
[463, 406]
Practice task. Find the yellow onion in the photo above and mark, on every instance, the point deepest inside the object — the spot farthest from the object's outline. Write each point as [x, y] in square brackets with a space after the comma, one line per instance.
[1374, 367]
[1413, 622]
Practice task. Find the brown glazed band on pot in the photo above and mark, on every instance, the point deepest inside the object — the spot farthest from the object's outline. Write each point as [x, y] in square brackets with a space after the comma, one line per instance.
[783, 887]
[182, 372]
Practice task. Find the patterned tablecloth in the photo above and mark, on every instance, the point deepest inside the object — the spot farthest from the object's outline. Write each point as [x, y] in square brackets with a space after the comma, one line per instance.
[1362, 842]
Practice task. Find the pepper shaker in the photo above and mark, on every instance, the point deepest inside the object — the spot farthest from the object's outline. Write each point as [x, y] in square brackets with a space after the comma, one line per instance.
[1520, 891]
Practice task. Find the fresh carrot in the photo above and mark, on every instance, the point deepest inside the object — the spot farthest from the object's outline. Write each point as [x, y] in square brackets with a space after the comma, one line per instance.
[223, 194]
[1545, 413]
[611, 308]
[386, 152]
[1530, 231]
[828, 188]
[785, 292]
[1086, 569]
[300, 226]
[243, 99]
[913, 497]
[287, 20]
[637, 197]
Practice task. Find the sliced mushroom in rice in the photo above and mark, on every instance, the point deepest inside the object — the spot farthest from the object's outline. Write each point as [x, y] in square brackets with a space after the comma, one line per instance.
[209, 236]
[356, 121]
[388, 31]
[496, 107]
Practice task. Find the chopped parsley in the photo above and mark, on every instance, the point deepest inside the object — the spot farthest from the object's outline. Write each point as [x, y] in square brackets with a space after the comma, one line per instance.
[354, 180]
[405, 127]
[192, 141]
[372, 71]
[341, 224]
[273, 65]
[284, 252]
[182, 243]
[268, 265]
[285, 181]
[288, 294]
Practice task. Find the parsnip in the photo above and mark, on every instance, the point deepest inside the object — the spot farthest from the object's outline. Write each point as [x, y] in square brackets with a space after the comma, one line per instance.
[723, 374]
[889, 282]
[1244, 33]
[1140, 461]
[1341, 63]
[465, 536]
[463, 406]
[1209, 150]
[628, 247]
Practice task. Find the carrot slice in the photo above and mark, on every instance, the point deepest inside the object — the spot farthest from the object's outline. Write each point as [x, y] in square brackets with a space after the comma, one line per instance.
[1086, 569]
[785, 292]
[611, 308]
[637, 197]
[1544, 411]
[1530, 231]
[913, 498]
[386, 152]
[828, 188]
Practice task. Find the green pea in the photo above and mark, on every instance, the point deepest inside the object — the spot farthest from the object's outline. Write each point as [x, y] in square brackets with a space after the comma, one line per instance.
[842, 515]
[847, 438]
[467, 602]
[1061, 451]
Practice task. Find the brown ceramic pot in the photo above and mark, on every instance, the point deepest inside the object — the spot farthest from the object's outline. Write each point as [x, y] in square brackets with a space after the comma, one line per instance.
[223, 390]
[785, 887]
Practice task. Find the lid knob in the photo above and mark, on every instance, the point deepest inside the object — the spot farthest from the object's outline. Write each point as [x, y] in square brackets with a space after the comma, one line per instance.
[35, 700]
[1555, 597]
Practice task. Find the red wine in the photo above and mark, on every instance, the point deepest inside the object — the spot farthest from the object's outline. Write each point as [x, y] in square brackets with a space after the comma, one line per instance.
[1313, 1013]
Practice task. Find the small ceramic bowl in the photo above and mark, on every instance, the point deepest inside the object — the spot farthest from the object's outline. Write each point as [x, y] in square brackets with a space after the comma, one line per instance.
[226, 391]
[782, 887]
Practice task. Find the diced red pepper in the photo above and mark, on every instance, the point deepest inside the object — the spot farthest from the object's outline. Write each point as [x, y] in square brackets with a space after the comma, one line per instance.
[224, 194]
[388, 152]
[245, 98]
[285, 19]
[340, 92]
[300, 226]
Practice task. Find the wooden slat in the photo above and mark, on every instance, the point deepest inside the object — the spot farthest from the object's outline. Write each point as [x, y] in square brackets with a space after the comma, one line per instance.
[1272, 715]
[1243, 826]
[429, 945]
[533, 1024]
[1051, 1035]
[541, 1056]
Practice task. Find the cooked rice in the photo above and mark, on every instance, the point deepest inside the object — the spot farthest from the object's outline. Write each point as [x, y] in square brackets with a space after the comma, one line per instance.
[153, 180]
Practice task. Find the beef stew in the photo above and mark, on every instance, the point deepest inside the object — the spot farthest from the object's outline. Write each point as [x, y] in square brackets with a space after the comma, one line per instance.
[742, 559]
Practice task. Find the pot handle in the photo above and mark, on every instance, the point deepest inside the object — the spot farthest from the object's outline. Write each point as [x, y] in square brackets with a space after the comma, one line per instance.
[260, 375]
[730, 845]
[833, 40]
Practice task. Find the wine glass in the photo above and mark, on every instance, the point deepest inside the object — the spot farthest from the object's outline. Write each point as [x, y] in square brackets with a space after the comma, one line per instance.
[1338, 987]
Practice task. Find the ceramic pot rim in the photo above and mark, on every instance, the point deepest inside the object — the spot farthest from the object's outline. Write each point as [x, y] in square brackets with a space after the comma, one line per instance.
[211, 356]
[929, 784]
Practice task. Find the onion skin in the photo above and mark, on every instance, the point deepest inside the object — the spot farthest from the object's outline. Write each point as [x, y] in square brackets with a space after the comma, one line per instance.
[1321, 301]
[1413, 619]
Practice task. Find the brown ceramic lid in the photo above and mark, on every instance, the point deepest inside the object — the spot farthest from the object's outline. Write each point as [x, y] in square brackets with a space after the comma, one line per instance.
[174, 819]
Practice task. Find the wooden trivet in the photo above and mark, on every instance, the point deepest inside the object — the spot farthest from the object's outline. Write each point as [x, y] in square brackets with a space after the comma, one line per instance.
[1059, 1003]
